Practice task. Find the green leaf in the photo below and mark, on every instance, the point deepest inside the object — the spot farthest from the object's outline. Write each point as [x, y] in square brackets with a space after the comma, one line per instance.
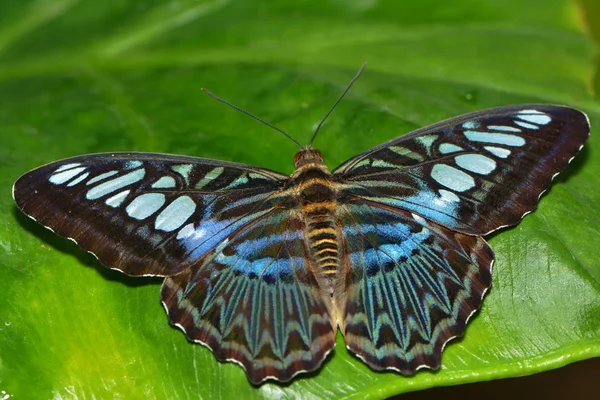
[87, 76]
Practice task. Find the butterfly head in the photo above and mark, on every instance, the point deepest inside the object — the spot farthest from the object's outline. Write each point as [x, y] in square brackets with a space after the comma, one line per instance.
[307, 155]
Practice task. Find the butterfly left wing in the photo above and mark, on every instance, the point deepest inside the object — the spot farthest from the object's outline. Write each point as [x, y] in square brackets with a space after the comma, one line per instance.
[136, 211]
[473, 173]
[226, 235]
[256, 300]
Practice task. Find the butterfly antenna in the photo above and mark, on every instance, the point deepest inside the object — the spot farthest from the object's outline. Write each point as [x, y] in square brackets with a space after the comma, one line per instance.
[360, 71]
[214, 96]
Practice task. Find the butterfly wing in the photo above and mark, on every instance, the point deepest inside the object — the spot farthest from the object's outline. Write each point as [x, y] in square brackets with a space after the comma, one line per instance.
[136, 211]
[414, 267]
[256, 300]
[408, 285]
[227, 237]
[474, 173]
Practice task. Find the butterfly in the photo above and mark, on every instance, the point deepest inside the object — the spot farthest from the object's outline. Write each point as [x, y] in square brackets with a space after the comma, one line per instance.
[264, 268]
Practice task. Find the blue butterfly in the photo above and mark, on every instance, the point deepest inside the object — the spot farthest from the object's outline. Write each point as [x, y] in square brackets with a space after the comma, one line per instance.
[263, 268]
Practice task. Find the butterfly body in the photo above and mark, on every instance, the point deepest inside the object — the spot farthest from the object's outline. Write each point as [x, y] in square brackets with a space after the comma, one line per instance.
[317, 198]
[264, 268]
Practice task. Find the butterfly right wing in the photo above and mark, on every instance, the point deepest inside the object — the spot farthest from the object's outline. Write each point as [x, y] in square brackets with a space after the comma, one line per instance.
[143, 213]
[414, 267]
[408, 285]
[474, 173]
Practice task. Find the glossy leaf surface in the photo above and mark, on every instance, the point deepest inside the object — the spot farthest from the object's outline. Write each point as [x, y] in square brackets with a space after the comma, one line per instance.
[82, 77]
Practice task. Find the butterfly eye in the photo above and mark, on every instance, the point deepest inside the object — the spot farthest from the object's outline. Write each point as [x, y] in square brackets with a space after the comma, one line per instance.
[308, 156]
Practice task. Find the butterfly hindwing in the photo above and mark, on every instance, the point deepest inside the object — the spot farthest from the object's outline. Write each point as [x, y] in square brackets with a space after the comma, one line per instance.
[474, 173]
[136, 212]
[409, 285]
[255, 299]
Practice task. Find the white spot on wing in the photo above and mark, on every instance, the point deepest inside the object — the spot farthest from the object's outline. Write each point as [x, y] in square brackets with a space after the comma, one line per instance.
[418, 218]
[67, 166]
[427, 140]
[133, 164]
[378, 163]
[145, 205]
[166, 182]
[175, 214]
[476, 163]
[240, 180]
[449, 196]
[526, 125]
[470, 124]
[210, 176]
[497, 138]
[503, 128]
[446, 148]
[498, 151]
[534, 116]
[117, 199]
[115, 184]
[186, 231]
[62, 177]
[254, 175]
[452, 178]
[184, 170]
[364, 161]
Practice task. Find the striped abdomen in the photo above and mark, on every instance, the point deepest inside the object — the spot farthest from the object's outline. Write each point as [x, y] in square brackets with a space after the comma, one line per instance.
[317, 197]
[323, 241]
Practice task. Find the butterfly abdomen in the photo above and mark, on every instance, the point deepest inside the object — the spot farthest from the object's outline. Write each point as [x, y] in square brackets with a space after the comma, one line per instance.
[317, 196]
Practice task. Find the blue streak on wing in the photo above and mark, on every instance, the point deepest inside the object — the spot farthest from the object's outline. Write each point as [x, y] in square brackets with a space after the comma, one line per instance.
[253, 298]
[426, 202]
[211, 233]
[409, 286]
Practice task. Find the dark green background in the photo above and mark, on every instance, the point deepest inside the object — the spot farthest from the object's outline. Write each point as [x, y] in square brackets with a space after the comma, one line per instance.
[87, 76]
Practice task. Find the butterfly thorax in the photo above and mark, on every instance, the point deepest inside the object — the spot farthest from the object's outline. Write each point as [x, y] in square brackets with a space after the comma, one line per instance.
[316, 195]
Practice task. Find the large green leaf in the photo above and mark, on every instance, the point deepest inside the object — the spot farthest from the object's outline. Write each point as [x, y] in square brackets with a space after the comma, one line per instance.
[87, 76]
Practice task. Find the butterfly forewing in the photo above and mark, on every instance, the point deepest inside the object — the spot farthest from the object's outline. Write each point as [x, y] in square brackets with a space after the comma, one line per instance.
[474, 173]
[146, 214]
